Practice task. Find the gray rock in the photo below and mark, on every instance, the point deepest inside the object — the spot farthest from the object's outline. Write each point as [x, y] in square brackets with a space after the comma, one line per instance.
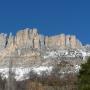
[42, 41]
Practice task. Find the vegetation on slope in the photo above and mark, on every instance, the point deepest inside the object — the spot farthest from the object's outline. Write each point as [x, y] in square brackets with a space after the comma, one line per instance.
[84, 76]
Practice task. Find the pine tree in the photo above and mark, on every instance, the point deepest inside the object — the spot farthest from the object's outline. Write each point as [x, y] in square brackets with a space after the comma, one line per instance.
[84, 76]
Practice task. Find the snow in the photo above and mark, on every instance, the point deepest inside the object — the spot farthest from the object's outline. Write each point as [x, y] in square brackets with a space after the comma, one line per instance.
[54, 54]
[77, 68]
[42, 68]
[66, 53]
[50, 54]
[22, 73]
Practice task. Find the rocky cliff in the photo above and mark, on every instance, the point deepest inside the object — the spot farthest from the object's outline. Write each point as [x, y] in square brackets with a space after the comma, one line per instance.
[30, 38]
[31, 50]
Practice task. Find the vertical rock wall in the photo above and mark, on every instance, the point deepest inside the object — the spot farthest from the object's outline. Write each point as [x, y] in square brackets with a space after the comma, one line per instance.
[29, 38]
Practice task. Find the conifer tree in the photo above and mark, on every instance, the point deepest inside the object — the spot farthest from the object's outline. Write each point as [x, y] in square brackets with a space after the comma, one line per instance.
[84, 76]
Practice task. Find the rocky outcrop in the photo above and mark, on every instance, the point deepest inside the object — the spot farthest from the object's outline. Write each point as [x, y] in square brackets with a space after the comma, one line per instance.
[42, 41]
[3, 41]
[62, 41]
[68, 43]
[30, 38]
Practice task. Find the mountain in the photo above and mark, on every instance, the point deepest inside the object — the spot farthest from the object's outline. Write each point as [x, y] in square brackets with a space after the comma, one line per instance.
[31, 51]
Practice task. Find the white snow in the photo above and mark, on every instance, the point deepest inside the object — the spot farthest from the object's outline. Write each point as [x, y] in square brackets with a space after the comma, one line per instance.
[38, 70]
[22, 73]
[66, 53]
[77, 68]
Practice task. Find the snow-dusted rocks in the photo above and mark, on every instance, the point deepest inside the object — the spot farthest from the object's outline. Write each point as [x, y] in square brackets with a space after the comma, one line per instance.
[65, 53]
[31, 51]
[22, 73]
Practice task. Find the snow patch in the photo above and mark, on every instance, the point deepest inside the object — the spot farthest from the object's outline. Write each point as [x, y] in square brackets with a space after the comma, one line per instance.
[22, 73]
[38, 70]
[77, 68]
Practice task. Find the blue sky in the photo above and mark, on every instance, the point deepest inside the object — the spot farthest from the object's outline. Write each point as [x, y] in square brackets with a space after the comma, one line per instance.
[51, 17]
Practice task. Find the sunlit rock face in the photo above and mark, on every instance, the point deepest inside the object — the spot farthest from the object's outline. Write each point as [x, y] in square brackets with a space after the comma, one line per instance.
[30, 38]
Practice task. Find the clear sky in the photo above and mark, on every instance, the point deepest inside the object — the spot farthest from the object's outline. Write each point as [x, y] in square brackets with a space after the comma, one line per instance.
[51, 17]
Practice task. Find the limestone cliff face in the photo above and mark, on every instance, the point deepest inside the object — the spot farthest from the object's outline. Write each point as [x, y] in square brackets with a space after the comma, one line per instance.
[30, 47]
[30, 38]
